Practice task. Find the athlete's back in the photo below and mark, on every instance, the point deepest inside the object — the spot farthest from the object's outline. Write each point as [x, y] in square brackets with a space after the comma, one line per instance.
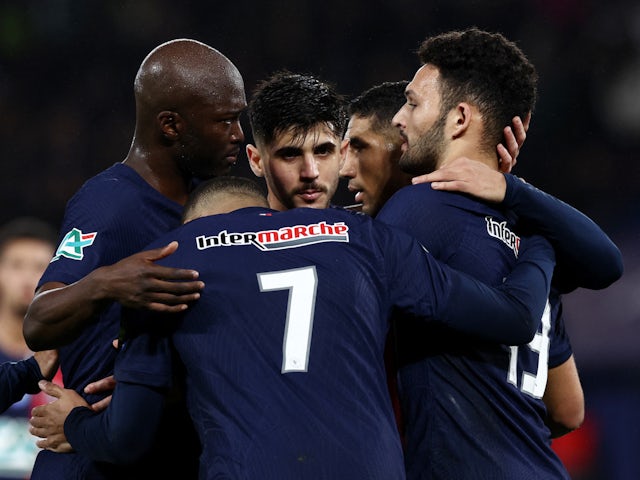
[299, 353]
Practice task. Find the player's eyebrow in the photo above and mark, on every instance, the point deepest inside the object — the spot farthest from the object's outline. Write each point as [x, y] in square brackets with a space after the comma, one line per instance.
[325, 147]
[288, 151]
[357, 142]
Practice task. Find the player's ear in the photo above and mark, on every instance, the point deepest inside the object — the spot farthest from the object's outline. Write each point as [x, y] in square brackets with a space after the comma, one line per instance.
[343, 151]
[170, 124]
[255, 160]
[459, 119]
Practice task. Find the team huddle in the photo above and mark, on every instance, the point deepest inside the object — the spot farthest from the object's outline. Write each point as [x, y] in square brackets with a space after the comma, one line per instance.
[279, 336]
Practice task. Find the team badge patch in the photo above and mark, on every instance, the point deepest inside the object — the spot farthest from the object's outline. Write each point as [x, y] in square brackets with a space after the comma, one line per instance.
[73, 243]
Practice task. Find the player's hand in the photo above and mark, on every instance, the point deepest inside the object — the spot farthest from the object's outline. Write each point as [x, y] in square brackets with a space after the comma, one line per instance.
[138, 282]
[47, 362]
[101, 386]
[47, 421]
[468, 176]
[514, 138]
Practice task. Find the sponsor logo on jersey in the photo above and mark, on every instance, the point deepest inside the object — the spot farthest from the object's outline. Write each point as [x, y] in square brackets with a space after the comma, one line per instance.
[500, 231]
[286, 237]
[73, 244]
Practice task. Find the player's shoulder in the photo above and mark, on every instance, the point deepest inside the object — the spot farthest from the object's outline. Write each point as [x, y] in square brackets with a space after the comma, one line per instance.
[423, 192]
[115, 185]
[421, 197]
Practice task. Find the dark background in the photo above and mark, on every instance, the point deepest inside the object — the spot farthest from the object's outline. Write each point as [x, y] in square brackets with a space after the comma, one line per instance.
[67, 112]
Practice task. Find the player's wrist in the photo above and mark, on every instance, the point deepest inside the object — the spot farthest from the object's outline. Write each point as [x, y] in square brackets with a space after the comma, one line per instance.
[99, 286]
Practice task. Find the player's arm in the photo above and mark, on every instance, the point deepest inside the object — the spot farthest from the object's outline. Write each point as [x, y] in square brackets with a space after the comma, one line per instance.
[563, 395]
[508, 314]
[586, 256]
[59, 312]
[121, 434]
[125, 430]
[20, 378]
[564, 399]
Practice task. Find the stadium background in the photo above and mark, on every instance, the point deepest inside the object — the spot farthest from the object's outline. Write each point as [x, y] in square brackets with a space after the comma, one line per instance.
[67, 112]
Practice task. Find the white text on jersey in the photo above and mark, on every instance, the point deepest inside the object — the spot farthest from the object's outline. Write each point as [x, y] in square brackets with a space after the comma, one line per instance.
[500, 231]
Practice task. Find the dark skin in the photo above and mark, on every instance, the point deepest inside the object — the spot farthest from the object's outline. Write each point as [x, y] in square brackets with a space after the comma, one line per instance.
[189, 98]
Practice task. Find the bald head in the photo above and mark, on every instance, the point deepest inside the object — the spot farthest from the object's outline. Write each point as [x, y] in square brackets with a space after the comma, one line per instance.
[182, 72]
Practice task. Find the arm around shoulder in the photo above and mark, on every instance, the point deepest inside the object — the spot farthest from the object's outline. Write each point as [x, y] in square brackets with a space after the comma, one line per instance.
[510, 313]
[586, 255]
[59, 312]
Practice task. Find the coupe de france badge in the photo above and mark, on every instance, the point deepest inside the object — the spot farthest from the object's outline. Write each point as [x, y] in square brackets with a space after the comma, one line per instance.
[73, 243]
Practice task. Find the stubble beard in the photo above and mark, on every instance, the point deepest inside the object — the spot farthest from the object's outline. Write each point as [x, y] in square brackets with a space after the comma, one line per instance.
[424, 155]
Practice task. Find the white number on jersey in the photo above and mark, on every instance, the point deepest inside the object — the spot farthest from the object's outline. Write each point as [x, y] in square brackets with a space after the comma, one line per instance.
[533, 384]
[302, 285]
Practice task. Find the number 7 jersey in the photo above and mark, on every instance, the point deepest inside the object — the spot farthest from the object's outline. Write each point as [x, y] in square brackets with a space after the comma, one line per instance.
[283, 352]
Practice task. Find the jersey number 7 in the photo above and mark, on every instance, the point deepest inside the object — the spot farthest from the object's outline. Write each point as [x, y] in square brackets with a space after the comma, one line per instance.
[302, 285]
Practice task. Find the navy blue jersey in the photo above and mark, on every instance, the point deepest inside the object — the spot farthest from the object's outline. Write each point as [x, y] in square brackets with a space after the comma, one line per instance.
[472, 409]
[17, 446]
[574, 236]
[114, 214]
[17, 378]
[284, 349]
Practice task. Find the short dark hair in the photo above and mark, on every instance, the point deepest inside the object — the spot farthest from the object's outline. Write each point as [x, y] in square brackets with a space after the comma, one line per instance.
[27, 228]
[227, 184]
[487, 70]
[379, 103]
[293, 101]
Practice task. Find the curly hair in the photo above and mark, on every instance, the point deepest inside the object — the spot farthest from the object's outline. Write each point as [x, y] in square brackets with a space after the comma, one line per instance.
[294, 102]
[380, 103]
[487, 70]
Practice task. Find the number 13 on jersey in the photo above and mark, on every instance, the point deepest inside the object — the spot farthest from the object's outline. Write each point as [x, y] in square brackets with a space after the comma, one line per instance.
[533, 384]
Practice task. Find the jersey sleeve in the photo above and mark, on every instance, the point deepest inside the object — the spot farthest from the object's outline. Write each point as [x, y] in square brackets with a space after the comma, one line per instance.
[92, 234]
[18, 379]
[146, 359]
[509, 313]
[124, 431]
[586, 256]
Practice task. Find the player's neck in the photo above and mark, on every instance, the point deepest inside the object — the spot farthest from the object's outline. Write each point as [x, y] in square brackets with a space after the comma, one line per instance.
[161, 175]
[468, 150]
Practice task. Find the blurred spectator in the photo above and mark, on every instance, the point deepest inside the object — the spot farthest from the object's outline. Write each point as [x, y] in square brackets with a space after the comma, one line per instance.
[65, 97]
[26, 246]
